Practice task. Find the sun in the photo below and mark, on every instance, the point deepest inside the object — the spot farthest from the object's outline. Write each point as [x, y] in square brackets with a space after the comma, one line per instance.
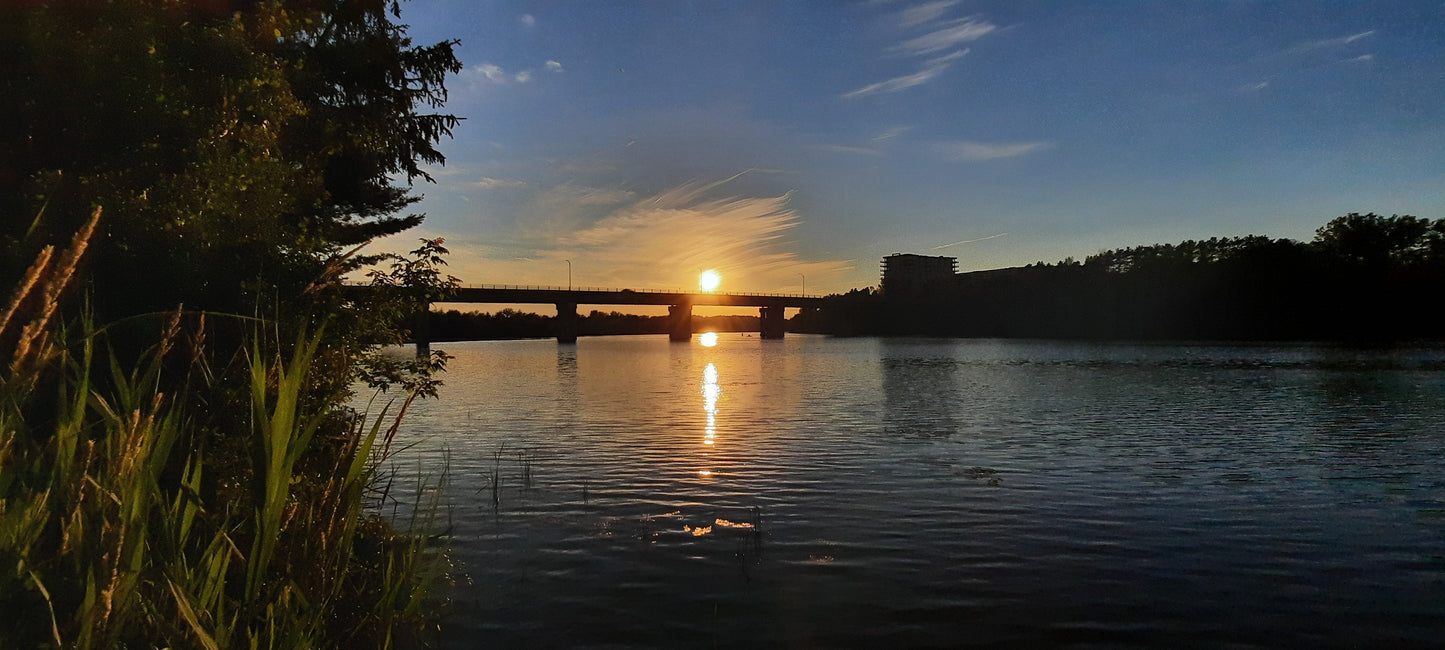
[709, 280]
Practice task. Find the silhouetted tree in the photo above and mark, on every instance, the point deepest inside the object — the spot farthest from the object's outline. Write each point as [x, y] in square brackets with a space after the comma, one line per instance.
[241, 150]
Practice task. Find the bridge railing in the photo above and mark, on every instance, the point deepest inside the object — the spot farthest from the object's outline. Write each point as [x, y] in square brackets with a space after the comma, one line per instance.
[531, 287]
[649, 291]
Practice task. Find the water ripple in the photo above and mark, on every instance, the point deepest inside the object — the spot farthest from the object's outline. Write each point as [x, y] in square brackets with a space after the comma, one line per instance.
[939, 493]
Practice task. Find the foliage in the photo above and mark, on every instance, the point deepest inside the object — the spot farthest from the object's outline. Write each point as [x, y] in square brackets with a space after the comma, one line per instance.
[243, 151]
[418, 277]
[206, 491]
[1374, 241]
[1212, 251]
[858, 312]
[246, 152]
[110, 537]
[403, 292]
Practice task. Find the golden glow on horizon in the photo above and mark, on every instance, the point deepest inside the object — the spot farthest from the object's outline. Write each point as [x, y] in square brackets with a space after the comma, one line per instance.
[707, 339]
[709, 280]
[621, 239]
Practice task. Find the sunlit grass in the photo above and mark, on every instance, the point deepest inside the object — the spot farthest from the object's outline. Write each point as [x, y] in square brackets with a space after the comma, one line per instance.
[113, 543]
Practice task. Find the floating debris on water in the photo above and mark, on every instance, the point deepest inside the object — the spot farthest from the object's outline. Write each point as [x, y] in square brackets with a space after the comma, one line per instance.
[674, 513]
[730, 524]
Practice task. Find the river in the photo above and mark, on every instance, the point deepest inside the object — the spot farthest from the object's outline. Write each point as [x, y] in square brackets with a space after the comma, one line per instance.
[824, 492]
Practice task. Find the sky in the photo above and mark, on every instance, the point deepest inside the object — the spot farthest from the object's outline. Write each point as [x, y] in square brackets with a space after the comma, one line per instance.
[791, 145]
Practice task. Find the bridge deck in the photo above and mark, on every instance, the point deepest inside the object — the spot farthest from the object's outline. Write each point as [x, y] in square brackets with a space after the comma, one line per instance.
[592, 296]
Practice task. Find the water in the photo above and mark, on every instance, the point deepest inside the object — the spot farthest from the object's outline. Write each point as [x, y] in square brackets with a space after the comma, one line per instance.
[939, 493]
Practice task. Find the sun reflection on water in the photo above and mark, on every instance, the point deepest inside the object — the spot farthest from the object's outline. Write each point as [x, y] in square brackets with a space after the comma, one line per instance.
[711, 391]
[707, 339]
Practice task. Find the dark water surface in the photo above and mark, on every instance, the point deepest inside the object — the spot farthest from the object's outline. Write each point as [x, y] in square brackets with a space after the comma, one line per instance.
[939, 493]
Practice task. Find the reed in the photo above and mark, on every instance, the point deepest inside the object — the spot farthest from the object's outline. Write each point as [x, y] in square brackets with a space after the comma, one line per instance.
[110, 537]
[525, 458]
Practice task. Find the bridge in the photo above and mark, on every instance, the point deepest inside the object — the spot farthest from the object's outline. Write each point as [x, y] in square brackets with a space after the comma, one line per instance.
[679, 305]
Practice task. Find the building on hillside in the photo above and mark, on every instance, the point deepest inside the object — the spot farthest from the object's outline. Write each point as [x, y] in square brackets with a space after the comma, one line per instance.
[907, 274]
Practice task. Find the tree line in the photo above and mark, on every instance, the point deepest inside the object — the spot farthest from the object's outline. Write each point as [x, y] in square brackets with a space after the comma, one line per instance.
[454, 325]
[1363, 278]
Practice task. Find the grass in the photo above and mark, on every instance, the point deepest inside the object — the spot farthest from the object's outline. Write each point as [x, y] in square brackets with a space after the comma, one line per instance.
[113, 532]
[525, 458]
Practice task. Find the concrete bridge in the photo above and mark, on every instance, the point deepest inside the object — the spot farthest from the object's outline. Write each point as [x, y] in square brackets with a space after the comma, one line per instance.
[679, 305]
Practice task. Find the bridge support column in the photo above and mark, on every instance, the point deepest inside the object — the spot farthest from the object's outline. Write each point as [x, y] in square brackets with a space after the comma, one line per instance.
[421, 332]
[566, 322]
[771, 321]
[679, 322]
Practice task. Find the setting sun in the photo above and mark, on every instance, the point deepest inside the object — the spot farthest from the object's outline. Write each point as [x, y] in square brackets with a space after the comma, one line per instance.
[709, 280]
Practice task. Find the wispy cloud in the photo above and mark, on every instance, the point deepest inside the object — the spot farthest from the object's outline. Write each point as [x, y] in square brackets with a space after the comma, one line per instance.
[669, 237]
[947, 58]
[1330, 43]
[936, 37]
[571, 195]
[528, 20]
[485, 73]
[954, 33]
[891, 133]
[899, 83]
[553, 213]
[1318, 54]
[441, 171]
[923, 13]
[968, 151]
[490, 71]
[659, 240]
[488, 183]
[838, 148]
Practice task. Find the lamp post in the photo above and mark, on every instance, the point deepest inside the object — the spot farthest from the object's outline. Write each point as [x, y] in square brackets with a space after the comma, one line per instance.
[569, 274]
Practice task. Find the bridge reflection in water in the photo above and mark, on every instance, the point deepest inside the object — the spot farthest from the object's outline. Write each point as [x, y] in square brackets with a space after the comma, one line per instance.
[679, 305]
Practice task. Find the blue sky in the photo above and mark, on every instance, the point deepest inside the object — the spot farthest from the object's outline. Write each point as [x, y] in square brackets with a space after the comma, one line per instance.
[780, 142]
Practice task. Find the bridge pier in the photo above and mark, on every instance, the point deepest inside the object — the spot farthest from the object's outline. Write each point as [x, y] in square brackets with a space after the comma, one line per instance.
[679, 322]
[421, 332]
[566, 322]
[771, 321]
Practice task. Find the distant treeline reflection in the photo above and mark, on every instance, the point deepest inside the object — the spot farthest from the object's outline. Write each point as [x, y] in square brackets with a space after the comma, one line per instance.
[1362, 278]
